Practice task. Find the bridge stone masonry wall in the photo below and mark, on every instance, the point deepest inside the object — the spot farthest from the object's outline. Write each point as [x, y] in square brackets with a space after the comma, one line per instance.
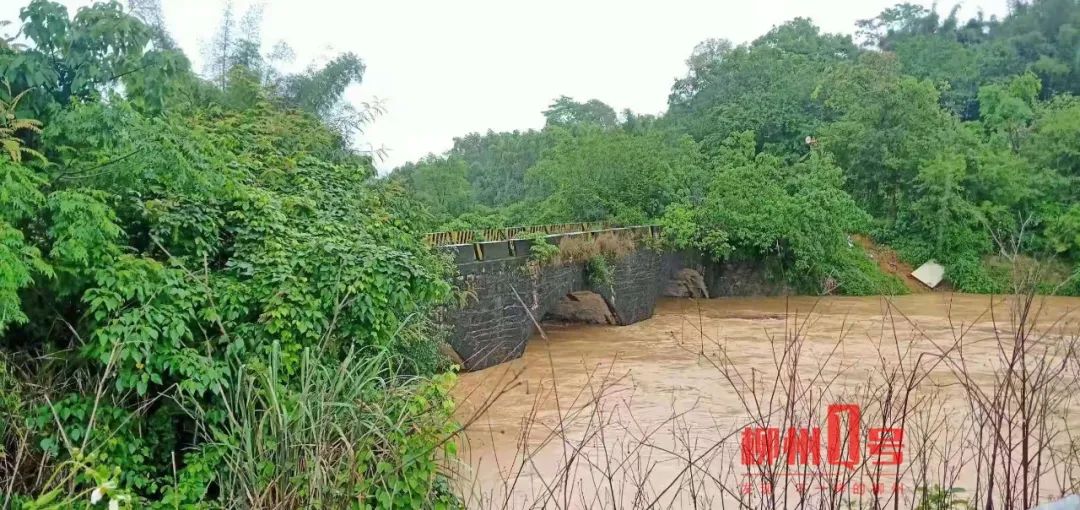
[721, 279]
[493, 327]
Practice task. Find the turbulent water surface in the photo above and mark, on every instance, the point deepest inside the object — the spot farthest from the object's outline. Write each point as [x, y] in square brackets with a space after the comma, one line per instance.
[595, 414]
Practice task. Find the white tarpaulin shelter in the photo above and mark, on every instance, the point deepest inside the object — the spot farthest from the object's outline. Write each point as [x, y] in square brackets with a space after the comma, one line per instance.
[929, 273]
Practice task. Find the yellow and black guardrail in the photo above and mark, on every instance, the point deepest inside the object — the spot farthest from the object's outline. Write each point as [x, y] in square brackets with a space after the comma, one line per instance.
[510, 233]
[501, 243]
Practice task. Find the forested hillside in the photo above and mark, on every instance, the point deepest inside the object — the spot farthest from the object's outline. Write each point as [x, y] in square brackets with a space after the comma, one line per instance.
[947, 139]
[199, 283]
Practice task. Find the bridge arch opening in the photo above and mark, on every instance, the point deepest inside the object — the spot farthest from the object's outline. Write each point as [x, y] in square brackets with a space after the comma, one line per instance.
[583, 307]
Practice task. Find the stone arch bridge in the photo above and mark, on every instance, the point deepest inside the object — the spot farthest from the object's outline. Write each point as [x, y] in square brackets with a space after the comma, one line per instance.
[506, 292]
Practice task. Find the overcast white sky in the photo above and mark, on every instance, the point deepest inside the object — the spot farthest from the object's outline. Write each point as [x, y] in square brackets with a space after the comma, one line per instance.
[449, 67]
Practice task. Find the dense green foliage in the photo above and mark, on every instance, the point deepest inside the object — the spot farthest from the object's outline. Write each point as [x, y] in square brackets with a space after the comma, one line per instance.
[756, 207]
[597, 175]
[945, 139]
[185, 264]
[493, 166]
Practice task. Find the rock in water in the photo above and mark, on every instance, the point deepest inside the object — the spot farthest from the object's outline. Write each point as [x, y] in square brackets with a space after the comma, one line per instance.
[583, 307]
[446, 350]
[687, 283]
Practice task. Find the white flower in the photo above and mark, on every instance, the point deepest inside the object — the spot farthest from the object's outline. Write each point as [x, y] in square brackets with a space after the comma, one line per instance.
[100, 491]
[114, 504]
[96, 495]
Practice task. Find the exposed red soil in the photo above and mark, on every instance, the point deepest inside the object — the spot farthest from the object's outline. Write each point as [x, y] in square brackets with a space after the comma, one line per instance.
[890, 262]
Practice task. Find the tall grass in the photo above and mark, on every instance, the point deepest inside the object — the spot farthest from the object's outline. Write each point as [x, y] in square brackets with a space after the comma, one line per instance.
[584, 248]
[351, 433]
[355, 432]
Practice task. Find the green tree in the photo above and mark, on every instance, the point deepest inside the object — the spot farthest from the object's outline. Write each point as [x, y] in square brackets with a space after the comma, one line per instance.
[244, 71]
[764, 87]
[1009, 108]
[758, 207]
[497, 163]
[1055, 133]
[440, 184]
[887, 127]
[940, 217]
[1039, 36]
[932, 48]
[77, 58]
[565, 112]
[601, 175]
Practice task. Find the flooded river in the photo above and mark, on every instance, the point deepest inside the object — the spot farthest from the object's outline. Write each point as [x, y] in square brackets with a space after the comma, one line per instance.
[656, 413]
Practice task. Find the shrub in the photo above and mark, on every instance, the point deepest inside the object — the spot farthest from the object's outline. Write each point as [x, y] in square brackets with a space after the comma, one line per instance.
[542, 252]
[971, 275]
[598, 271]
[858, 275]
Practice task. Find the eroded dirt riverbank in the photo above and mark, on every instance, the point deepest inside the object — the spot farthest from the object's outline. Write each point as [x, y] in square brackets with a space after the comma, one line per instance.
[633, 403]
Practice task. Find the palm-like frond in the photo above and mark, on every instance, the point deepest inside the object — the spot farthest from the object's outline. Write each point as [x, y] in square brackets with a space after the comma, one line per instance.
[13, 146]
[36, 154]
[10, 126]
[27, 124]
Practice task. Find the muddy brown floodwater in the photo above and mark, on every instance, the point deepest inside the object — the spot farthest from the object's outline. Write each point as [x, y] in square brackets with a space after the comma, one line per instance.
[607, 416]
